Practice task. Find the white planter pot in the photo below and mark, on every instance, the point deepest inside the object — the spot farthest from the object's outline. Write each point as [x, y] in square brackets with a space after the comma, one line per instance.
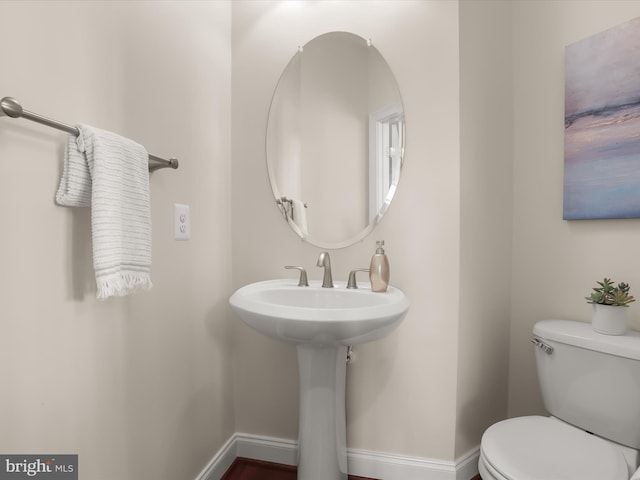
[609, 320]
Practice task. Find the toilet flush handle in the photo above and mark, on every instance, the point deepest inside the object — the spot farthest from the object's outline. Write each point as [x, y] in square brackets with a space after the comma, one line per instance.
[548, 349]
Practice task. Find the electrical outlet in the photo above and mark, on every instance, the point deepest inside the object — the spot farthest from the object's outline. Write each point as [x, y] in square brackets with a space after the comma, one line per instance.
[182, 222]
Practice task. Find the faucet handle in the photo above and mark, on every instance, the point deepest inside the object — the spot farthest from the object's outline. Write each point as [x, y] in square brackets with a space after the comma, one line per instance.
[351, 283]
[303, 282]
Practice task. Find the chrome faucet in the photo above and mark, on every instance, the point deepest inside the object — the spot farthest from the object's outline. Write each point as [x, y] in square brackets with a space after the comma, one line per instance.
[325, 262]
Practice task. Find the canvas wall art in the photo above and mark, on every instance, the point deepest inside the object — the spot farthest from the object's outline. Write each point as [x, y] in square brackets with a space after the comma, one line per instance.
[602, 125]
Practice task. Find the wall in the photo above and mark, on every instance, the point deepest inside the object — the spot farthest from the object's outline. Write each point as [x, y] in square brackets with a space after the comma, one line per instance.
[402, 390]
[486, 130]
[139, 387]
[555, 262]
[146, 381]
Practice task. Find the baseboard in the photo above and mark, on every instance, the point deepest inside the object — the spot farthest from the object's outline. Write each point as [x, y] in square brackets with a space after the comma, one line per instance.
[361, 463]
[269, 449]
[467, 464]
[220, 462]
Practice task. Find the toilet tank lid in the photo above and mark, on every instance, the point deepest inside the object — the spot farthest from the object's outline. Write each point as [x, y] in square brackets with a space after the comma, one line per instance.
[581, 334]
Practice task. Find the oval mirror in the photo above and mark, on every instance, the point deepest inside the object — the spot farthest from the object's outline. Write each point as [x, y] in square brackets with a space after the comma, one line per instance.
[335, 140]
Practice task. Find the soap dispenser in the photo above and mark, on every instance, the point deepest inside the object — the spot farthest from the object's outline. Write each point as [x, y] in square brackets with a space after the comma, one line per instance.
[379, 269]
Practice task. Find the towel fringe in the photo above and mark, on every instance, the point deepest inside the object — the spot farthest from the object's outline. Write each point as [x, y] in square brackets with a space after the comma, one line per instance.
[120, 284]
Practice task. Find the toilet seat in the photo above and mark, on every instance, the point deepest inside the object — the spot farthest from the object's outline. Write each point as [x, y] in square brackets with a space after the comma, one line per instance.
[544, 448]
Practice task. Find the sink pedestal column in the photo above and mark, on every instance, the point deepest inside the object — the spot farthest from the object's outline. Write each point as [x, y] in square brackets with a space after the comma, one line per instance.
[322, 437]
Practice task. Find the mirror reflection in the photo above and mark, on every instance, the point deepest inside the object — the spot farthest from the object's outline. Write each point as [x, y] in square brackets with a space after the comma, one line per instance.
[335, 140]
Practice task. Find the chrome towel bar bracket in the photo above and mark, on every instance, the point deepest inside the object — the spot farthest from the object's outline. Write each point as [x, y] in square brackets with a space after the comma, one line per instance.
[11, 107]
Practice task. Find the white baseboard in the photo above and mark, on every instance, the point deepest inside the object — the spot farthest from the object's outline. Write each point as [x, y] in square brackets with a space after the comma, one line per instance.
[362, 463]
[386, 466]
[220, 462]
[467, 464]
[269, 449]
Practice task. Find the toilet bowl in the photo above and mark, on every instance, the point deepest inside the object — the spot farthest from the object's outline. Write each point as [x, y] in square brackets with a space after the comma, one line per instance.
[589, 384]
[545, 448]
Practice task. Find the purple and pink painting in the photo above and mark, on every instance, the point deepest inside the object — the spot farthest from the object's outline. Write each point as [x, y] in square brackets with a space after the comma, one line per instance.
[602, 125]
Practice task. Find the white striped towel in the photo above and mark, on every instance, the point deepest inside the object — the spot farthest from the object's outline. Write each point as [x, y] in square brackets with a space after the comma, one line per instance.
[110, 173]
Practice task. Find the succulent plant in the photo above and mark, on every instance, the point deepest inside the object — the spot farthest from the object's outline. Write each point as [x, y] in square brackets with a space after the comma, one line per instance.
[607, 293]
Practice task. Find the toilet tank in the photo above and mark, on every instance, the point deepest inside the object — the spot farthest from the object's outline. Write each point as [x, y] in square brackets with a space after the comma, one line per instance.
[590, 380]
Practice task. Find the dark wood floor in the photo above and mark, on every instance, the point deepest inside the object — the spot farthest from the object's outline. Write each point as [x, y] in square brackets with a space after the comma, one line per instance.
[248, 469]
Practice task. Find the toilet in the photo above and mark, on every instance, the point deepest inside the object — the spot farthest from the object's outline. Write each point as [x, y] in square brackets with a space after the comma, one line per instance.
[590, 385]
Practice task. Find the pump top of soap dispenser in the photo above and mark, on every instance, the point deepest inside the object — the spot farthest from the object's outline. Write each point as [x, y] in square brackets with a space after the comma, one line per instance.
[380, 246]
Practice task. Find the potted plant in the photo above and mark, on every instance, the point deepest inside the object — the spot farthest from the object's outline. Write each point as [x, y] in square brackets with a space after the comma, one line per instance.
[610, 307]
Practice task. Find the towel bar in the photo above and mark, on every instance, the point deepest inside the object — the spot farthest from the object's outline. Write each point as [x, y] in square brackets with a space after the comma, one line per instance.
[11, 107]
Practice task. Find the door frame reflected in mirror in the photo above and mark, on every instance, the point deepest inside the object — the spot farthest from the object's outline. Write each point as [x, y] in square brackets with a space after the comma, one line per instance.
[386, 145]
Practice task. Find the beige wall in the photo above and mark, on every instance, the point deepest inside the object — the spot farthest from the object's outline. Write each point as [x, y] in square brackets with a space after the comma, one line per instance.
[401, 389]
[486, 213]
[157, 382]
[555, 262]
[139, 387]
[496, 237]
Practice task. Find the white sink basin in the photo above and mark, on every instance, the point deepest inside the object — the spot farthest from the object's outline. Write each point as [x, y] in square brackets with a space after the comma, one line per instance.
[302, 315]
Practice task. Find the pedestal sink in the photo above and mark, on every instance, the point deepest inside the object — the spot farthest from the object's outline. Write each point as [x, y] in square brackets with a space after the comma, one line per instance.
[322, 323]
